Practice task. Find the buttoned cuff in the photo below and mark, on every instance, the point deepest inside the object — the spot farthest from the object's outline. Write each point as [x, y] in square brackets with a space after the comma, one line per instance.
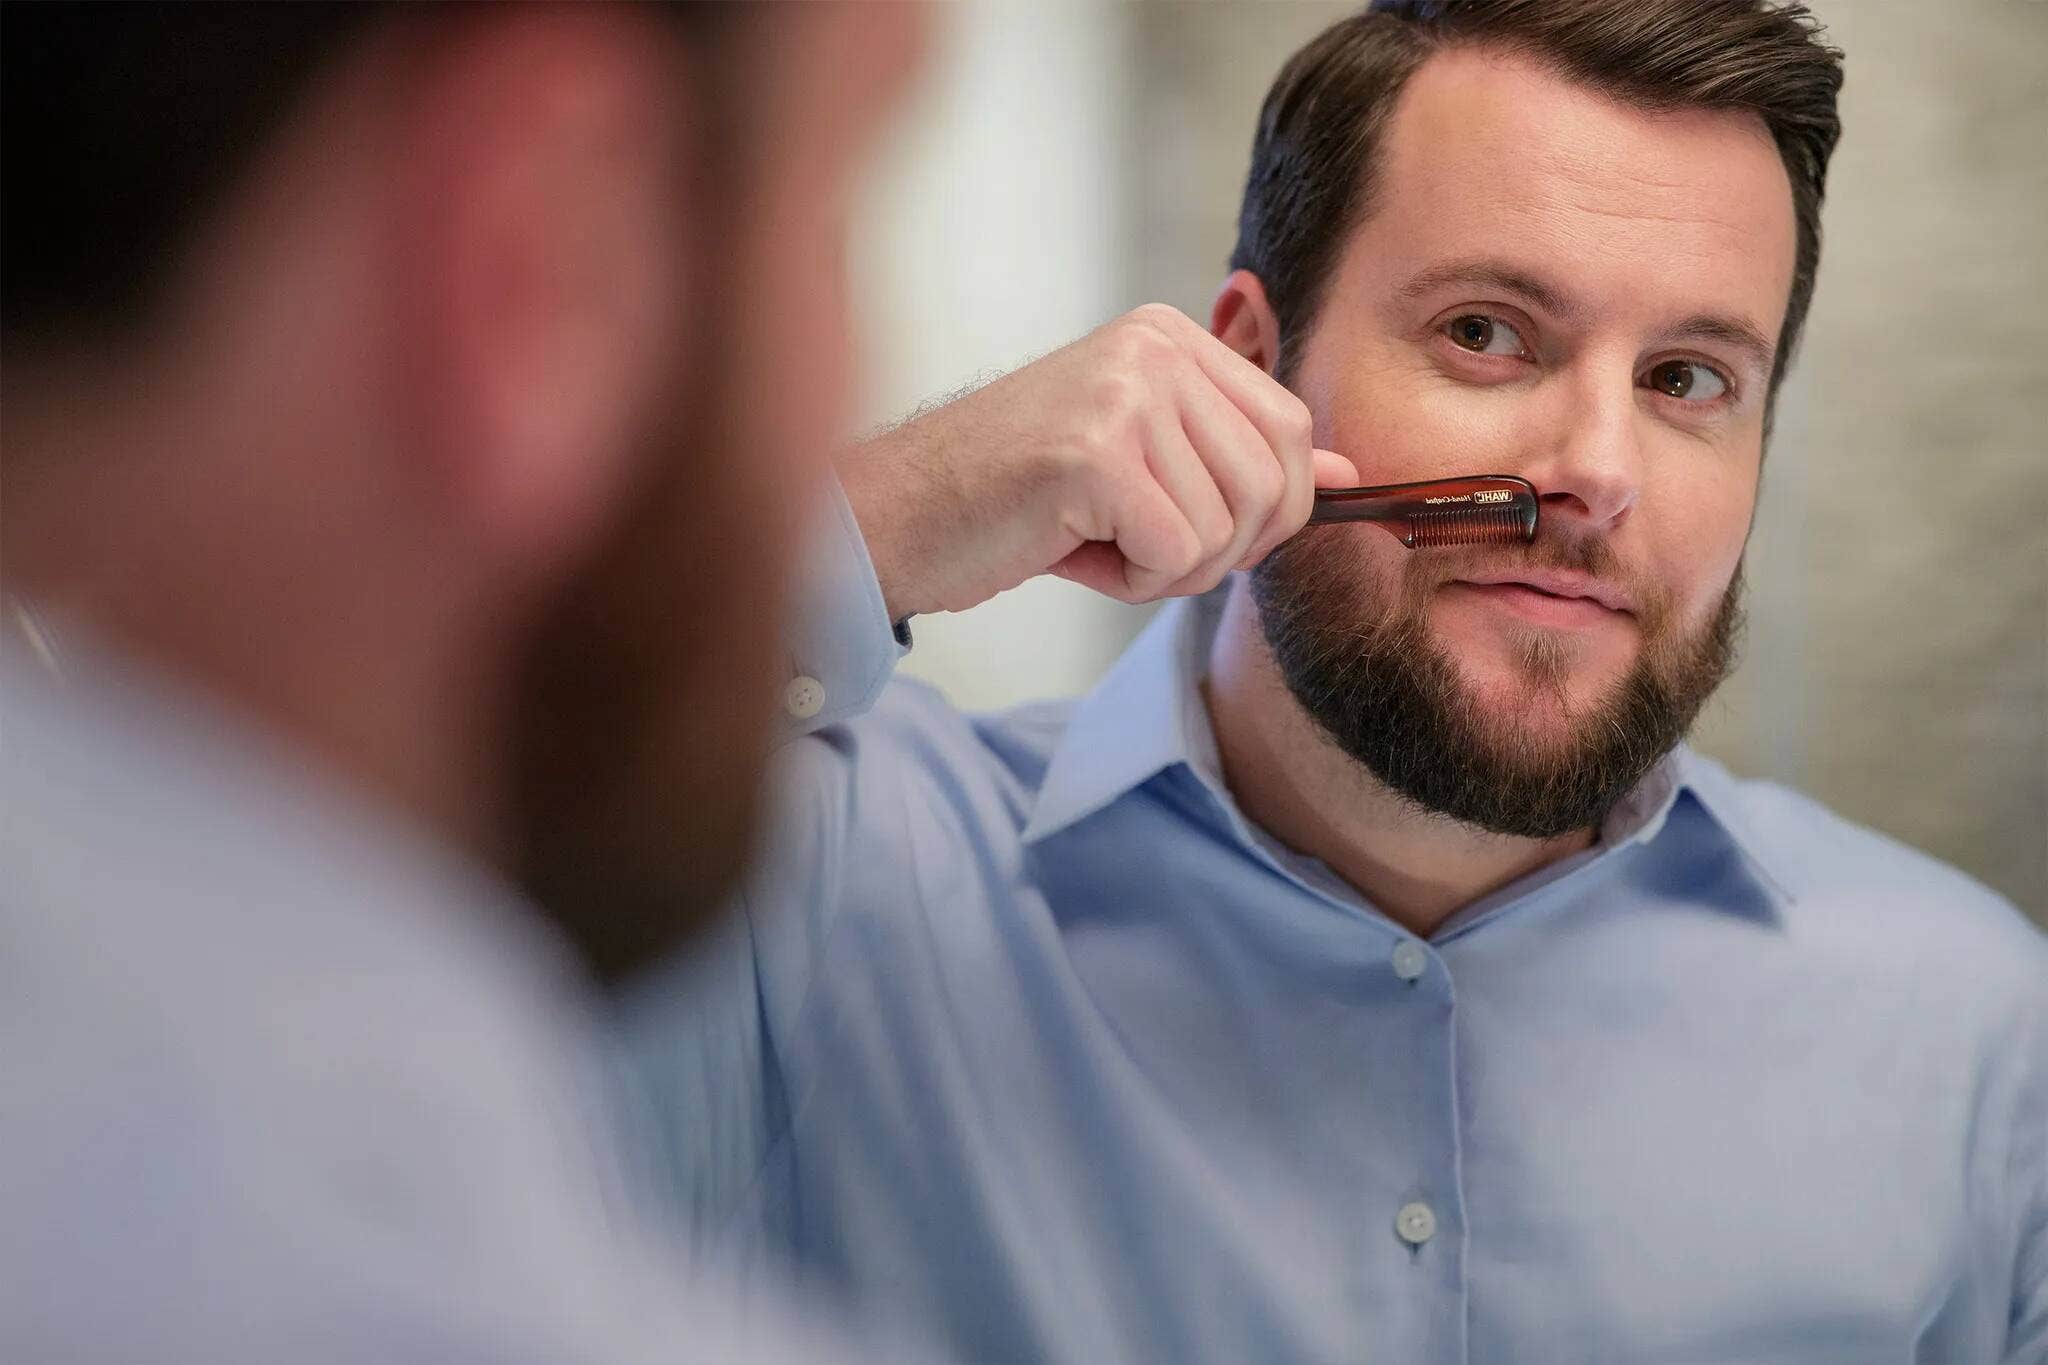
[844, 646]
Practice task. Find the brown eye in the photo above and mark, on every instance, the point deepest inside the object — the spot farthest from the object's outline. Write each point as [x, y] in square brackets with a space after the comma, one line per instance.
[1683, 379]
[1674, 379]
[1483, 335]
[1472, 332]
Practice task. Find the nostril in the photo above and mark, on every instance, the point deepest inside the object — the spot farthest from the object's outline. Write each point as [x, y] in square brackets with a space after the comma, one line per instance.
[1608, 513]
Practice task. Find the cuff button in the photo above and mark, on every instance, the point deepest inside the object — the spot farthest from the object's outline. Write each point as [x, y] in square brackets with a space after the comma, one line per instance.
[804, 697]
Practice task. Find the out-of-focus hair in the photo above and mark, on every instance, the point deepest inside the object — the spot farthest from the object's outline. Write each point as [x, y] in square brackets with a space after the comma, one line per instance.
[122, 126]
[1315, 156]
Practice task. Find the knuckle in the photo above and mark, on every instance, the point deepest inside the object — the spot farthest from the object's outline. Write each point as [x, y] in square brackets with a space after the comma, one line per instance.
[1296, 423]
[1159, 316]
[1187, 556]
[1215, 532]
[1268, 485]
[1113, 395]
[1151, 350]
[1143, 340]
[1200, 580]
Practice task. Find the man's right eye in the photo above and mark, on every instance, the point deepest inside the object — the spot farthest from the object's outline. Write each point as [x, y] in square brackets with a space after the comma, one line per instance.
[1483, 335]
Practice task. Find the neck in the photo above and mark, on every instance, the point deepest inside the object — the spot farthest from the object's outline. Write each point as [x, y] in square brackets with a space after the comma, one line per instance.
[1288, 776]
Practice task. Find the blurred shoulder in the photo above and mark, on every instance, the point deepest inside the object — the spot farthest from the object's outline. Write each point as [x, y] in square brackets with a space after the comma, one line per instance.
[249, 1001]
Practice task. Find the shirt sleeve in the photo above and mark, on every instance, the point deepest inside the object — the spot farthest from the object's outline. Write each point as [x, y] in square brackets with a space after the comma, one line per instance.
[700, 1076]
[844, 648]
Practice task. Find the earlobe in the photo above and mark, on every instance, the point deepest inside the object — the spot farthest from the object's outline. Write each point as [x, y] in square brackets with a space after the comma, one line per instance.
[1243, 319]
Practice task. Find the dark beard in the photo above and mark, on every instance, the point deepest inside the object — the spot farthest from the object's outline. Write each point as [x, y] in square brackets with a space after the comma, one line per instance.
[640, 725]
[1371, 676]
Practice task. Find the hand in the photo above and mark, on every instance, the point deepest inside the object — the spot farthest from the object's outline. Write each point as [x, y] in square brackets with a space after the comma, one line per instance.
[1145, 460]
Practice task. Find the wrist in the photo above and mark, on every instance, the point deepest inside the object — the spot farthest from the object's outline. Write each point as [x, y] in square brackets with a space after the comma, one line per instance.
[878, 513]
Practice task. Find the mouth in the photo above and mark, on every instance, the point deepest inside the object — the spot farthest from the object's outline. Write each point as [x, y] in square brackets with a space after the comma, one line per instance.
[1550, 598]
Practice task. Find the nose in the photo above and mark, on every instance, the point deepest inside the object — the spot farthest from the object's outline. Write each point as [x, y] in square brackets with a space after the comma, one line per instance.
[1591, 474]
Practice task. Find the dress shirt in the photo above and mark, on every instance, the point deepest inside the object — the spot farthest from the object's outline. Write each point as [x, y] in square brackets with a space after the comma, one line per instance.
[280, 1081]
[1029, 1035]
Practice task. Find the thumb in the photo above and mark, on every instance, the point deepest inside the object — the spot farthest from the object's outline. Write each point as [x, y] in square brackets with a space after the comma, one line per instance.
[1334, 471]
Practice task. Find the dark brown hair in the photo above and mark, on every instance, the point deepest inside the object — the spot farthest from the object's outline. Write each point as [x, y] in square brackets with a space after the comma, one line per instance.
[123, 125]
[1314, 157]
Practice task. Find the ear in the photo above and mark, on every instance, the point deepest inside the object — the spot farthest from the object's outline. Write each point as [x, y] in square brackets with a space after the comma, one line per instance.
[1243, 320]
[542, 232]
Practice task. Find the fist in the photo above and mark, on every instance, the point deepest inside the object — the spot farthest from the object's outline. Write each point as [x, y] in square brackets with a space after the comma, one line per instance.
[1145, 460]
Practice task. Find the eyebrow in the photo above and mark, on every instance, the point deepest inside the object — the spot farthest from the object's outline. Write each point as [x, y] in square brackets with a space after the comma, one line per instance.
[1728, 329]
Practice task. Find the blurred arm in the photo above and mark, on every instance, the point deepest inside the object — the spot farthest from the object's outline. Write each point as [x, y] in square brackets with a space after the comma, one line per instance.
[699, 1034]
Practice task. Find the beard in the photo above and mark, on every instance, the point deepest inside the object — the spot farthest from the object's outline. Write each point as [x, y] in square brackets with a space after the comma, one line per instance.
[1365, 665]
[640, 723]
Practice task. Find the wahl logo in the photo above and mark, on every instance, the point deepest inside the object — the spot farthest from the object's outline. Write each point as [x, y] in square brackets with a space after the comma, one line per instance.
[1493, 495]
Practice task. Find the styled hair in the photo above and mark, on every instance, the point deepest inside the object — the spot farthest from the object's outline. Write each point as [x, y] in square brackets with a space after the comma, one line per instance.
[1315, 158]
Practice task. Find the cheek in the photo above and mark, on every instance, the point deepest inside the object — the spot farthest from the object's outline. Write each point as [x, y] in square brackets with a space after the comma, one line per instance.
[786, 350]
[1400, 419]
[1694, 517]
[798, 367]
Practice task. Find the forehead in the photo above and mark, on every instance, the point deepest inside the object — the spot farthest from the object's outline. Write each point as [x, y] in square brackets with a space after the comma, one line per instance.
[1490, 155]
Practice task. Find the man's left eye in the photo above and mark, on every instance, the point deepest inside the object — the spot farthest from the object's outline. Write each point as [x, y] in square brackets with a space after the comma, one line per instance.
[1683, 379]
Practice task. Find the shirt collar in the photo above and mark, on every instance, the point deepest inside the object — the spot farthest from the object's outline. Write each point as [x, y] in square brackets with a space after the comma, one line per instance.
[1147, 714]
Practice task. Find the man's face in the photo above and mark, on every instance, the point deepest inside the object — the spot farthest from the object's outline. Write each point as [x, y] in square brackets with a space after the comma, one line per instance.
[1554, 285]
[645, 729]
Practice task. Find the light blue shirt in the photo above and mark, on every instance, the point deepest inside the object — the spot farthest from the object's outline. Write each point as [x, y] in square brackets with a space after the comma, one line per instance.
[281, 1081]
[1029, 1035]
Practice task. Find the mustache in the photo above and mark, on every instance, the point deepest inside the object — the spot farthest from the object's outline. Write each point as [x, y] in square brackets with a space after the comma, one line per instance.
[1593, 556]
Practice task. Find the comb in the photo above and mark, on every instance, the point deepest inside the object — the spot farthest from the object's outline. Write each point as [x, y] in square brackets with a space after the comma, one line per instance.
[1483, 509]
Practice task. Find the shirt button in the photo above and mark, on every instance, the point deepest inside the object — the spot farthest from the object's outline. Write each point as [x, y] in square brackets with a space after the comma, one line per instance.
[804, 697]
[1410, 959]
[1415, 1223]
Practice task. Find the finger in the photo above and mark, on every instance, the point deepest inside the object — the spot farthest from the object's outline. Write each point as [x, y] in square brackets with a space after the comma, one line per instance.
[1244, 468]
[1331, 471]
[1279, 417]
[1254, 391]
[1155, 542]
[1185, 473]
[1097, 565]
[1334, 471]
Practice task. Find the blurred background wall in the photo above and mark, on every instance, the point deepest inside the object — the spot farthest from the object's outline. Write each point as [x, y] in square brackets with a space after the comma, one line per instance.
[1067, 161]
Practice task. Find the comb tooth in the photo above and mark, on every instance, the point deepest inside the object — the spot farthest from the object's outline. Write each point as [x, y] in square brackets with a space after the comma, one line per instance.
[1467, 526]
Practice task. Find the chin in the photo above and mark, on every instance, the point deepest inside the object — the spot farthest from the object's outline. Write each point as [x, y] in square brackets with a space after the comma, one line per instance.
[1539, 676]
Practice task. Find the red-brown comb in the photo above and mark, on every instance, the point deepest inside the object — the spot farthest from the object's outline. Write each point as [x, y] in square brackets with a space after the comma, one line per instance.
[1483, 509]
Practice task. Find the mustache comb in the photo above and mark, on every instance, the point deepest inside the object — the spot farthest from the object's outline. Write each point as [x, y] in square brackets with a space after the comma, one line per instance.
[1482, 509]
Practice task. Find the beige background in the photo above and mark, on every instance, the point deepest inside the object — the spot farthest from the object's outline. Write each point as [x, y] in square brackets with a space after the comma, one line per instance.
[1068, 161]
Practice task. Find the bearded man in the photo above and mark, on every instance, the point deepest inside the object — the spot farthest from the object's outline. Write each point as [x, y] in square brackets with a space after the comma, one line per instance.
[391, 574]
[1366, 969]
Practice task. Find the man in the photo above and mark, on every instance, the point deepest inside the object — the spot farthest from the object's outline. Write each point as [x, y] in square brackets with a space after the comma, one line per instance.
[1366, 969]
[398, 456]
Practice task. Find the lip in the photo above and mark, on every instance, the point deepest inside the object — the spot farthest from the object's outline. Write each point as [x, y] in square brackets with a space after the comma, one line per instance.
[1560, 601]
[1554, 583]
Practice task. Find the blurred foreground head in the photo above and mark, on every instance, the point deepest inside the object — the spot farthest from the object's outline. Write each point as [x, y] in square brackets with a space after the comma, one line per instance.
[440, 386]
